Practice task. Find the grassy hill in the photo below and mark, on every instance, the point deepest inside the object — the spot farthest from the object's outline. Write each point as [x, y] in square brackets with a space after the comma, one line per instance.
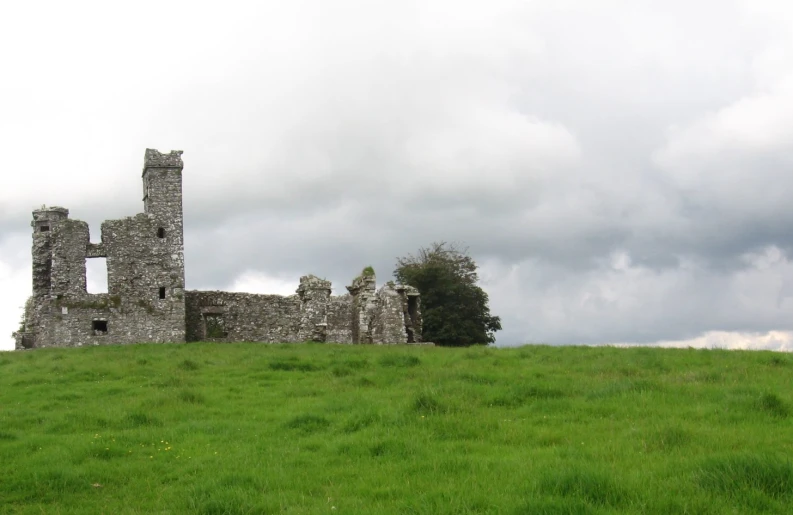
[252, 428]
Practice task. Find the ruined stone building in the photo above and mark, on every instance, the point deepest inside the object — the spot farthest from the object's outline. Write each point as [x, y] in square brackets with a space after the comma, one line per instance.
[147, 300]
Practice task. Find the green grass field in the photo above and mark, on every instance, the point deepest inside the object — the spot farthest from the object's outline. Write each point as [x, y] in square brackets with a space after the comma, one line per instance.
[254, 428]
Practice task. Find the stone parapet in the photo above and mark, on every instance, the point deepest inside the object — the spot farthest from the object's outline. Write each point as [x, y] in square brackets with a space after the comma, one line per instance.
[155, 159]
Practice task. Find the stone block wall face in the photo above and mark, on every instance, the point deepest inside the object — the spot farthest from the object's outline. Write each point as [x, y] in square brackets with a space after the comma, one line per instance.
[340, 319]
[43, 222]
[147, 273]
[362, 290]
[311, 315]
[147, 300]
[388, 317]
[241, 317]
[70, 322]
[314, 294]
[411, 307]
[69, 242]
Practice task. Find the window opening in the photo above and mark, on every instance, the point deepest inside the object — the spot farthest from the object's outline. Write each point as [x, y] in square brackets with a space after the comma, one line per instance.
[44, 228]
[96, 275]
[214, 326]
[162, 292]
[413, 307]
[410, 319]
[161, 232]
[99, 327]
[28, 342]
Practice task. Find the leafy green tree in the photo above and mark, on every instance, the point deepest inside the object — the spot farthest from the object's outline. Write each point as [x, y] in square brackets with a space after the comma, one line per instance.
[454, 309]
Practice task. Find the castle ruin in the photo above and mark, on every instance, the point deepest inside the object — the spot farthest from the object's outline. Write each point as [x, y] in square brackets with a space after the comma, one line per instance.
[146, 299]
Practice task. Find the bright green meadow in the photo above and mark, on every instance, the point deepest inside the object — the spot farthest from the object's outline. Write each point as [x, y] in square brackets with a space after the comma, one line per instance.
[311, 428]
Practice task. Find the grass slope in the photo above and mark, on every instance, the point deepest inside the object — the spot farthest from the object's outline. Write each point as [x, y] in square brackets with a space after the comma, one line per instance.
[252, 428]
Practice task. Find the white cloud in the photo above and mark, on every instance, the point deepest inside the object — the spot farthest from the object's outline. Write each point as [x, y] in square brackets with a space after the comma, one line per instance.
[757, 124]
[771, 340]
[253, 281]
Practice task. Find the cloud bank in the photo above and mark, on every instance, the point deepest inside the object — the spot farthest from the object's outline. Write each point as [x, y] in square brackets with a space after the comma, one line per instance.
[620, 170]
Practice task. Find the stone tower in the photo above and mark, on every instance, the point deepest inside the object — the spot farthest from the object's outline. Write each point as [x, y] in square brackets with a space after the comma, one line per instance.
[43, 221]
[145, 254]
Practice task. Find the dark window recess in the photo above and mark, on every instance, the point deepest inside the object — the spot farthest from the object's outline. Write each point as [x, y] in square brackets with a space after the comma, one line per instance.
[48, 278]
[413, 308]
[28, 342]
[44, 228]
[161, 232]
[162, 292]
[99, 327]
[411, 318]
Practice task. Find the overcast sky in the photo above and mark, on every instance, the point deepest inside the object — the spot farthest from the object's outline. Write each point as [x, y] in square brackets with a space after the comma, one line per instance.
[622, 171]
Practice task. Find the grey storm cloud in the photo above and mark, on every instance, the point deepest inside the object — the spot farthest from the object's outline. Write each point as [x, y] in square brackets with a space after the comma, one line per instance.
[620, 170]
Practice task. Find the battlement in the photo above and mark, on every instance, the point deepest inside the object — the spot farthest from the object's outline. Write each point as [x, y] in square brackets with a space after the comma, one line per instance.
[49, 214]
[154, 159]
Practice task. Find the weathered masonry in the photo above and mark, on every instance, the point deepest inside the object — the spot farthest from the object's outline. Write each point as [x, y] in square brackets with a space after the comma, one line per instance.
[147, 301]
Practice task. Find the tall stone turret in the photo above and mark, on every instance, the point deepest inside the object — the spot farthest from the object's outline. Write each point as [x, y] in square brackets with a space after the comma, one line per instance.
[145, 254]
[43, 221]
[162, 184]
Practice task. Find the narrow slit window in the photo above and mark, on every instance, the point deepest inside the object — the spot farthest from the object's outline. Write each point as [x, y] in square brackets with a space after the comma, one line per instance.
[99, 327]
[44, 228]
[162, 292]
[161, 232]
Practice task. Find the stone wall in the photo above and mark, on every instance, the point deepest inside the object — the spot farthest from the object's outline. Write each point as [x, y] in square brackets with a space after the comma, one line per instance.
[96, 319]
[69, 242]
[239, 317]
[313, 314]
[146, 299]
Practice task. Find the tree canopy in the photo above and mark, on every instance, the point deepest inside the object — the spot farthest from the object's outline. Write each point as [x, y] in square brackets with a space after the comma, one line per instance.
[454, 309]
